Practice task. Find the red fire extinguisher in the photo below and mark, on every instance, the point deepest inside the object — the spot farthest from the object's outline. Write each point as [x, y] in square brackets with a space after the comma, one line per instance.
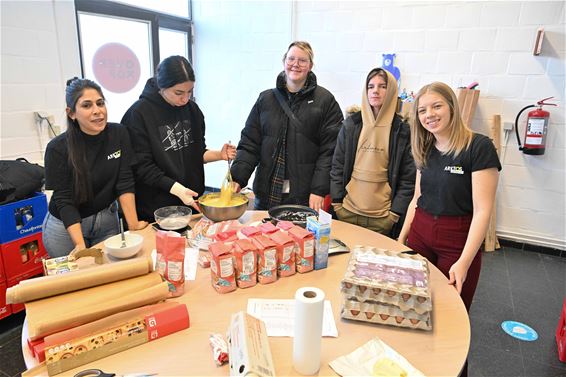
[537, 127]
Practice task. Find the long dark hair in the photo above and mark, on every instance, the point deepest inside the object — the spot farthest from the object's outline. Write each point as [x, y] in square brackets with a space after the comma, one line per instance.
[174, 70]
[82, 190]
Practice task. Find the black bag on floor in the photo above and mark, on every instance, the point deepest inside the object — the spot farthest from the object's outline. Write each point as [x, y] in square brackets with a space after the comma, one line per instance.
[19, 179]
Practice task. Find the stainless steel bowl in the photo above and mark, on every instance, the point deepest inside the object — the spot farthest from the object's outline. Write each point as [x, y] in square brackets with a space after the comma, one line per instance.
[222, 213]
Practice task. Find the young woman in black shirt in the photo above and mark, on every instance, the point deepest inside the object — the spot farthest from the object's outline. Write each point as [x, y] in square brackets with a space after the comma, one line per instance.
[88, 167]
[457, 174]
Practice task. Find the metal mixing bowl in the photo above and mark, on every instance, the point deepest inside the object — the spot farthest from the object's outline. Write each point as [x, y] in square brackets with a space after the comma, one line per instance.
[222, 213]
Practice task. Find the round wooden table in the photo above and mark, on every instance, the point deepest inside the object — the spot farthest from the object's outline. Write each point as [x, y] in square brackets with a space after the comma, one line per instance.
[440, 352]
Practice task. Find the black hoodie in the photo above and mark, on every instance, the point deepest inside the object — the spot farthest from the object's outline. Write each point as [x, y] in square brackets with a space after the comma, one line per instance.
[169, 145]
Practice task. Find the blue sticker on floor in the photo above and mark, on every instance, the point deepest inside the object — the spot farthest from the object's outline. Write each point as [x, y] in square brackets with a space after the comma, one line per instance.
[519, 330]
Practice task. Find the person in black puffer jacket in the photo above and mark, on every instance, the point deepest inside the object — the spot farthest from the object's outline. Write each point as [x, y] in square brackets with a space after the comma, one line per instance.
[372, 179]
[293, 157]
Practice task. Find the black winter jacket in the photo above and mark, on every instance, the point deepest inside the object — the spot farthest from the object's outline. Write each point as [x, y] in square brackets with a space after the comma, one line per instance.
[309, 149]
[401, 169]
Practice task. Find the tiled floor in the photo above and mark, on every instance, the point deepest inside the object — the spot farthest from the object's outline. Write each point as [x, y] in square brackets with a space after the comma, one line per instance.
[518, 285]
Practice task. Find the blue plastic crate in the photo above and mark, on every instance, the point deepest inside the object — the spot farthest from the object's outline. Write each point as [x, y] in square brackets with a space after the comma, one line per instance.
[22, 218]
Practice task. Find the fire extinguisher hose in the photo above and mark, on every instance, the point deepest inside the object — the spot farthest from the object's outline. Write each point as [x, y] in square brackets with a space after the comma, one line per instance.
[517, 125]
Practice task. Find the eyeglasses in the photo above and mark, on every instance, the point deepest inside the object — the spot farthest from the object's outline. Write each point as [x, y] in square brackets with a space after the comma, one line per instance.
[290, 60]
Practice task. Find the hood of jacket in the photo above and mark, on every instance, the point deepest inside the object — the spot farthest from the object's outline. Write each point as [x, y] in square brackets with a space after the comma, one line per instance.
[309, 86]
[151, 93]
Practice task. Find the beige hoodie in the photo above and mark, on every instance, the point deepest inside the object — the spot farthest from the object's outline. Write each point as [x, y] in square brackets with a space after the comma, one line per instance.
[368, 192]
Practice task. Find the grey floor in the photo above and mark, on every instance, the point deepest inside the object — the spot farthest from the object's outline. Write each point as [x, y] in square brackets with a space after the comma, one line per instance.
[524, 286]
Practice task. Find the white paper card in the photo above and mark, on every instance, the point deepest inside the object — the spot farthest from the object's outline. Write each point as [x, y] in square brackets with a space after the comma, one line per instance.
[279, 316]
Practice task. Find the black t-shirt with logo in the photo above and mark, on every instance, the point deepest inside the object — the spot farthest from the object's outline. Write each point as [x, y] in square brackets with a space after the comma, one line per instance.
[109, 160]
[446, 181]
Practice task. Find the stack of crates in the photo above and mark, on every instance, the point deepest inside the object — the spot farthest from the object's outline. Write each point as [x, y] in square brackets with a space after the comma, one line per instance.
[21, 245]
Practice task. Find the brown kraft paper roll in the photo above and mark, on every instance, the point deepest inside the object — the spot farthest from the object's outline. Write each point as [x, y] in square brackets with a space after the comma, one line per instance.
[46, 286]
[62, 312]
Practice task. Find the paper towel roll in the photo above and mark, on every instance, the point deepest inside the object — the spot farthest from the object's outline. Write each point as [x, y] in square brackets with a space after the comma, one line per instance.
[309, 308]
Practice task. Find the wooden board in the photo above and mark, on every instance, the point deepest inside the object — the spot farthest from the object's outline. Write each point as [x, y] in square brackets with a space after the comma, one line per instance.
[468, 101]
[491, 242]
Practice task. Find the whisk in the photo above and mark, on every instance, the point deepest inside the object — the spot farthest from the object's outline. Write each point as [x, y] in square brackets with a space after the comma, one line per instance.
[227, 182]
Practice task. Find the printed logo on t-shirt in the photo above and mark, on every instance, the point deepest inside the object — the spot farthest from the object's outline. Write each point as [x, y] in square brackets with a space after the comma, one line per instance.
[454, 169]
[176, 137]
[116, 154]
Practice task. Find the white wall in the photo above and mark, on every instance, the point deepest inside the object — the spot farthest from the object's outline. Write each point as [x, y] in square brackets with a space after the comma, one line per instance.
[239, 45]
[39, 53]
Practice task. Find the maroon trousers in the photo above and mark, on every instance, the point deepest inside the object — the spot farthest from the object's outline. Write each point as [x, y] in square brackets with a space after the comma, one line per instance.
[441, 240]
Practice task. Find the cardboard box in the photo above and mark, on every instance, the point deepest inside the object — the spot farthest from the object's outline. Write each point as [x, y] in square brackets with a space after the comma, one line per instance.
[22, 218]
[131, 331]
[321, 233]
[248, 344]
[23, 256]
[5, 309]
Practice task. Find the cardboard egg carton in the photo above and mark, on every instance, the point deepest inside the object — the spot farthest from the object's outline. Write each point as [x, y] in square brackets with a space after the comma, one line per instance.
[404, 300]
[385, 287]
[386, 315]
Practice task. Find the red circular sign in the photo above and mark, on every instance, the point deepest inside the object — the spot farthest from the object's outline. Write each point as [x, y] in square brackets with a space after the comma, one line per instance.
[116, 67]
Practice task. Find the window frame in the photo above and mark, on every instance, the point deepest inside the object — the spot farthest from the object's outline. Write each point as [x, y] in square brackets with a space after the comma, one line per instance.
[156, 20]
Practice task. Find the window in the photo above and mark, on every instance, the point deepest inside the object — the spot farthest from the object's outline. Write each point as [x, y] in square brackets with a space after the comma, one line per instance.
[122, 44]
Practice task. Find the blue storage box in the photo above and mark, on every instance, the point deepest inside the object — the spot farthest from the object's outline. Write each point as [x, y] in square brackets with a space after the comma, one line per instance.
[22, 218]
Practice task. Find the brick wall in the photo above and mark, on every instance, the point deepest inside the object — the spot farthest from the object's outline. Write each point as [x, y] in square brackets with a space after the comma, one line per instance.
[39, 51]
[238, 51]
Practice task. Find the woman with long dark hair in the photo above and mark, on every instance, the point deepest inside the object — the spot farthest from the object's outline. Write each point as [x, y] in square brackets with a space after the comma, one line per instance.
[167, 131]
[88, 167]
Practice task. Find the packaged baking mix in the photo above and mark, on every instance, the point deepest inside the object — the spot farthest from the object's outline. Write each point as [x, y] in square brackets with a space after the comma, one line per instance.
[321, 231]
[223, 226]
[170, 261]
[268, 228]
[244, 252]
[222, 273]
[284, 225]
[250, 231]
[304, 251]
[266, 259]
[226, 236]
[285, 247]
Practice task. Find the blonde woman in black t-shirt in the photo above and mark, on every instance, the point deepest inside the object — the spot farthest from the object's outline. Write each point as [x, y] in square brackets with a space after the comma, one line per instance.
[457, 174]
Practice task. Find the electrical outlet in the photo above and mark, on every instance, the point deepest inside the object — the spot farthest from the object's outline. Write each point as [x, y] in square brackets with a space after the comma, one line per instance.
[508, 126]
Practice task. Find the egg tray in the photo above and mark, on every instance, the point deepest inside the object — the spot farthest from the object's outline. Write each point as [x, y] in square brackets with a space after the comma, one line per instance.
[405, 301]
[370, 269]
[385, 315]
